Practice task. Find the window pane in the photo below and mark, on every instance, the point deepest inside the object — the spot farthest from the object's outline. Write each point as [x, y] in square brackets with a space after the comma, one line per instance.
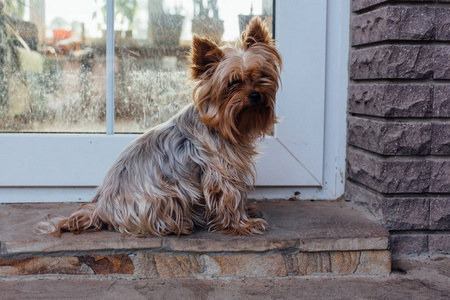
[52, 66]
[152, 39]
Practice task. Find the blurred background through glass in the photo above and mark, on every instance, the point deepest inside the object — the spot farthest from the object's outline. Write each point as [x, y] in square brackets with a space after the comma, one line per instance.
[53, 59]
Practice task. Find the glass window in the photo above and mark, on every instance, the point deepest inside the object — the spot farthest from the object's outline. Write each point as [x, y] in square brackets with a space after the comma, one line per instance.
[52, 71]
[53, 59]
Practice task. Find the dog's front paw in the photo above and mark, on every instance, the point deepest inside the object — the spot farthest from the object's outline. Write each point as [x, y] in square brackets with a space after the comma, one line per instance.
[255, 226]
[247, 227]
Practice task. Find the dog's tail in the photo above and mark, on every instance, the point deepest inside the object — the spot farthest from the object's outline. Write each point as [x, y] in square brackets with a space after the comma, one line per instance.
[84, 218]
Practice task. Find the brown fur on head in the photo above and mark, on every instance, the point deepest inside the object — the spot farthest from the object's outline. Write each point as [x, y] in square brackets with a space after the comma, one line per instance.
[236, 85]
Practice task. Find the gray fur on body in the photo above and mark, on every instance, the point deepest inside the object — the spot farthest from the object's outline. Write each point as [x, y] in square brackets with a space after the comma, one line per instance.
[174, 177]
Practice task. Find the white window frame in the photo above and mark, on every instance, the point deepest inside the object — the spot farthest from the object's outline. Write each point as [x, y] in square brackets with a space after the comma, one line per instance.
[68, 167]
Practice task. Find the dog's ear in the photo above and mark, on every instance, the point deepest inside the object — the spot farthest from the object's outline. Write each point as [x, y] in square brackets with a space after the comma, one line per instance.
[204, 57]
[257, 32]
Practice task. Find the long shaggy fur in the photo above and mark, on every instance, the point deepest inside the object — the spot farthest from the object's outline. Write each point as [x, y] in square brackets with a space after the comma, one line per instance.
[195, 169]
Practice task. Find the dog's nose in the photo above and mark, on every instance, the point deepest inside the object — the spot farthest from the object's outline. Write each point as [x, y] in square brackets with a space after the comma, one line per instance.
[254, 97]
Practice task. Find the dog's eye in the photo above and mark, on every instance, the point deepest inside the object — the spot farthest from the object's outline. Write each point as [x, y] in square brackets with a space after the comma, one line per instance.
[264, 78]
[233, 83]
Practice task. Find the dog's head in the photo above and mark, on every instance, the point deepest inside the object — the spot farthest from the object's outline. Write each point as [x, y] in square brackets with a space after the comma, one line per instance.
[236, 85]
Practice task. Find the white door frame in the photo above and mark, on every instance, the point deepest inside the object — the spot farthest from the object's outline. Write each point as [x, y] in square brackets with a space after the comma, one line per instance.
[68, 167]
[334, 93]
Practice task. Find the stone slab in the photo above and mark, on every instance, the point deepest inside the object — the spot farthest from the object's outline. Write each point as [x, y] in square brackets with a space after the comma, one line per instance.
[159, 265]
[42, 265]
[298, 225]
[249, 265]
[69, 265]
[181, 265]
[339, 263]
[17, 223]
[175, 265]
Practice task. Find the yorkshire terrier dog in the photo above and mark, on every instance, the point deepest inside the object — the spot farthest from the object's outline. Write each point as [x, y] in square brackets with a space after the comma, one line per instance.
[195, 169]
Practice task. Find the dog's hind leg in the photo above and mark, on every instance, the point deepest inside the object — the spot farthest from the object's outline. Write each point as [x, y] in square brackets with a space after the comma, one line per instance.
[83, 219]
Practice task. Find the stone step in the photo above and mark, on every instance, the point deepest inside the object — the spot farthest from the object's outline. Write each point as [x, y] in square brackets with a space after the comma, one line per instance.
[304, 238]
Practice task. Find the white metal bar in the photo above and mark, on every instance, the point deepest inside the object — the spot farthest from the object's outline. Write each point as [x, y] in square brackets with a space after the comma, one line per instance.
[46, 194]
[337, 58]
[301, 99]
[51, 160]
[110, 67]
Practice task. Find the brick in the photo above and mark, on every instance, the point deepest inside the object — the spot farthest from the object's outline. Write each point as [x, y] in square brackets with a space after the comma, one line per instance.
[248, 265]
[395, 175]
[440, 176]
[394, 23]
[365, 199]
[391, 100]
[442, 24]
[390, 138]
[439, 243]
[177, 265]
[362, 4]
[394, 61]
[394, 213]
[441, 101]
[442, 62]
[440, 139]
[405, 213]
[440, 214]
[409, 244]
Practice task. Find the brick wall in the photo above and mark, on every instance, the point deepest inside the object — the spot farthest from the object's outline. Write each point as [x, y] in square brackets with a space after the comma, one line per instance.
[399, 120]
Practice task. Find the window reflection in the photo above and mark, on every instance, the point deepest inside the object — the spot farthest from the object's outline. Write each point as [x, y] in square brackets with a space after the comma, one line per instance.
[53, 69]
[53, 57]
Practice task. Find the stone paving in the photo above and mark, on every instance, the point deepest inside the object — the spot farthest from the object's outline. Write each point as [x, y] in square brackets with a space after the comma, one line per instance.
[305, 238]
[416, 278]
